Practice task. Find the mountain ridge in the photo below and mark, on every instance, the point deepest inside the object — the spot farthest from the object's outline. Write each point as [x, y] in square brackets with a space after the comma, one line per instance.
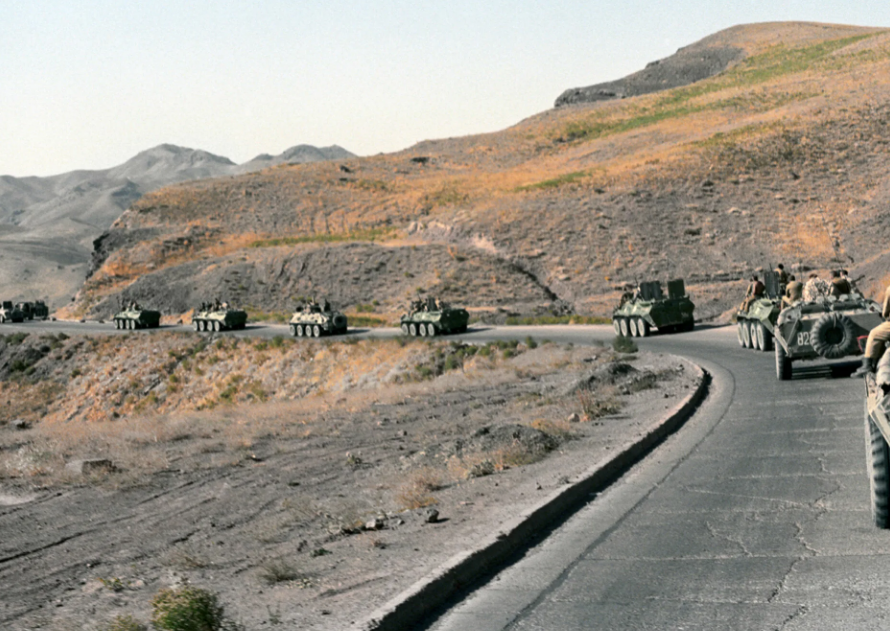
[779, 157]
[68, 211]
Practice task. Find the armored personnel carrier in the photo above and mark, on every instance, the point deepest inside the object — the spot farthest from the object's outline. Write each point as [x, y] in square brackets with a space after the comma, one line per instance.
[877, 437]
[218, 317]
[314, 320]
[649, 308]
[431, 317]
[757, 323]
[10, 313]
[26, 308]
[828, 328]
[135, 317]
[39, 310]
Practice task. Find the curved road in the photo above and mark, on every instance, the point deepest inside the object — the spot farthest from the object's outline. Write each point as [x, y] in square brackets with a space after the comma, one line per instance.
[755, 515]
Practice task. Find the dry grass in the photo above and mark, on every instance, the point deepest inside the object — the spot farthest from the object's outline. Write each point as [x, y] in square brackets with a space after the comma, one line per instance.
[417, 491]
[601, 401]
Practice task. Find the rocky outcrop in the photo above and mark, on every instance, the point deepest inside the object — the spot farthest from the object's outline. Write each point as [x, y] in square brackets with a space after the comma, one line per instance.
[686, 66]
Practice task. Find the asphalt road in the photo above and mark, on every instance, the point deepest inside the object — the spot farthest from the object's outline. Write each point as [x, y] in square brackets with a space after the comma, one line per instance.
[754, 515]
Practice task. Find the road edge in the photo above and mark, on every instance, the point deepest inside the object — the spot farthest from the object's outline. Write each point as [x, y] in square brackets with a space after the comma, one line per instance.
[431, 592]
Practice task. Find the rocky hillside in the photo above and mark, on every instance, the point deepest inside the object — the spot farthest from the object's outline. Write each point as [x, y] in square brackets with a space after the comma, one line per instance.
[48, 224]
[778, 154]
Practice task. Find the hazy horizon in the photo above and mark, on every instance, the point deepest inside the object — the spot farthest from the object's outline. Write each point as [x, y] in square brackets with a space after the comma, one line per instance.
[88, 85]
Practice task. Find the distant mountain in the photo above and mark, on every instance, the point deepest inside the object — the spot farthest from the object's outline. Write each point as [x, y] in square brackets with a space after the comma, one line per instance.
[299, 154]
[48, 224]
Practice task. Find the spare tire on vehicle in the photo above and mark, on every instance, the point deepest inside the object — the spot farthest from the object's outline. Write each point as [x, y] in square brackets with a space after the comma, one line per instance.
[833, 336]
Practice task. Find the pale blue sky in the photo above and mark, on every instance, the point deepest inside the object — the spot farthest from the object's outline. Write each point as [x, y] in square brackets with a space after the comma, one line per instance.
[90, 83]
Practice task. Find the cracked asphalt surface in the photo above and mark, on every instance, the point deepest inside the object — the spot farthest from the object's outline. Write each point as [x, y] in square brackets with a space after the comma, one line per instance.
[755, 515]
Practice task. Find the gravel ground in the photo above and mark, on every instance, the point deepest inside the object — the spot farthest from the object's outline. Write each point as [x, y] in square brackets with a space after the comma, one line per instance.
[322, 511]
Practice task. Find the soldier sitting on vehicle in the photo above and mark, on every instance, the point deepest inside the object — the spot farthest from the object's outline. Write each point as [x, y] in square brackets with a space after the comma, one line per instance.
[839, 286]
[325, 305]
[627, 295]
[782, 275]
[793, 292]
[878, 338]
[754, 292]
[216, 305]
[815, 288]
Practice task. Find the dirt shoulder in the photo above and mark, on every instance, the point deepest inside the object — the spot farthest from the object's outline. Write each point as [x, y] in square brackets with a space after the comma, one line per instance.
[313, 508]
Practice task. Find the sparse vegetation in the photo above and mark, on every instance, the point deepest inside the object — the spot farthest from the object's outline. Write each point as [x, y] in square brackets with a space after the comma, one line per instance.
[124, 622]
[278, 571]
[370, 234]
[190, 609]
[623, 344]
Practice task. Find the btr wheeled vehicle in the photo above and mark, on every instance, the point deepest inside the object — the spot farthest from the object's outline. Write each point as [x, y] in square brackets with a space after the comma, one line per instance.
[216, 318]
[877, 440]
[315, 320]
[757, 323]
[135, 317]
[828, 327]
[648, 308]
[432, 317]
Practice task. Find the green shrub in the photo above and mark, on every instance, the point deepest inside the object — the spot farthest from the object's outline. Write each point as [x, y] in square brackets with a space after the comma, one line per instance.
[124, 622]
[623, 344]
[190, 609]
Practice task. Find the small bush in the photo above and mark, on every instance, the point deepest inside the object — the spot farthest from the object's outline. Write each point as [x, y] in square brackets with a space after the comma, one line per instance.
[124, 623]
[190, 609]
[417, 489]
[600, 402]
[278, 571]
[623, 344]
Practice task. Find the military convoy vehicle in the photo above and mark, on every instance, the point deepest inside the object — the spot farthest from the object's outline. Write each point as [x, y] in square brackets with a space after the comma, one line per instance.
[135, 317]
[10, 312]
[218, 317]
[314, 320]
[877, 440]
[757, 323]
[648, 308]
[430, 317]
[39, 310]
[826, 328]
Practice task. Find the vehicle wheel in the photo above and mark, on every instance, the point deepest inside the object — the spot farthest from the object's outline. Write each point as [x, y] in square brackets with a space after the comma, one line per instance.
[739, 327]
[624, 331]
[293, 330]
[752, 331]
[764, 338]
[422, 329]
[316, 331]
[216, 326]
[404, 329]
[431, 330]
[783, 364]
[197, 324]
[616, 324]
[877, 462]
[632, 325]
[643, 328]
[746, 334]
[833, 336]
[412, 328]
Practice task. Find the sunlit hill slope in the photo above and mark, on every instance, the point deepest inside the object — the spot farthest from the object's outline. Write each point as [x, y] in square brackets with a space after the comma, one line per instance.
[780, 156]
